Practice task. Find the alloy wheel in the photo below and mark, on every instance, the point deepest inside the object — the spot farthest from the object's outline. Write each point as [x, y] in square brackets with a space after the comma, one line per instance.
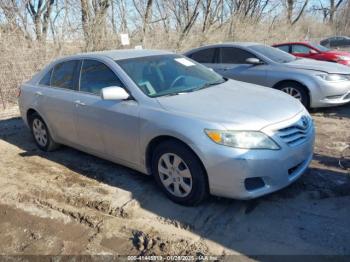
[175, 175]
[292, 92]
[40, 133]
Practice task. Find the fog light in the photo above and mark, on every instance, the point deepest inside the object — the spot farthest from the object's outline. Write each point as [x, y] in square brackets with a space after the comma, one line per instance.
[334, 97]
[254, 183]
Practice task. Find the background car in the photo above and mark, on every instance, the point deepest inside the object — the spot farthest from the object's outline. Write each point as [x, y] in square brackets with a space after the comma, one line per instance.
[314, 83]
[315, 51]
[163, 114]
[336, 42]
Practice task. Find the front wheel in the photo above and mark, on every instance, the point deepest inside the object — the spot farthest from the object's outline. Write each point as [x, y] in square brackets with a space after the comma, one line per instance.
[297, 91]
[179, 173]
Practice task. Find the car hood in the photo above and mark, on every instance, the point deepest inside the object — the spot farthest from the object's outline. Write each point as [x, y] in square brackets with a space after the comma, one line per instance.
[235, 105]
[315, 65]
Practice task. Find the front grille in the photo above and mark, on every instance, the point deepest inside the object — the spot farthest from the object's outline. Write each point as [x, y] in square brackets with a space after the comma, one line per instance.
[297, 133]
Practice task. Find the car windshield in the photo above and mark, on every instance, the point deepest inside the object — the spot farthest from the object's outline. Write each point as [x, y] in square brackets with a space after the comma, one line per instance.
[273, 53]
[320, 47]
[169, 74]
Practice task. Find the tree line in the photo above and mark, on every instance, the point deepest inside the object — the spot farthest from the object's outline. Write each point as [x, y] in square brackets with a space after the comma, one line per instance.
[43, 20]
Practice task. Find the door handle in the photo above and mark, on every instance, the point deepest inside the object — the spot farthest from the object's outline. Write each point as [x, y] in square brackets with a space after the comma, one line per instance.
[79, 103]
[38, 93]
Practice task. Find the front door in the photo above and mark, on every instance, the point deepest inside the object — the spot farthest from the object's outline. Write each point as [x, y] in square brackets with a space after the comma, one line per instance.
[232, 64]
[106, 127]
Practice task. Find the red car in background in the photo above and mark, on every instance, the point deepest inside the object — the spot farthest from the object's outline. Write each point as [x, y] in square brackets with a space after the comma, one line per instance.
[315, 51]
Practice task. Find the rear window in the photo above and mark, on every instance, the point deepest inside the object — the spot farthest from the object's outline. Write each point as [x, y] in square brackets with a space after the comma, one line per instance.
[204, 56]
[46, 79]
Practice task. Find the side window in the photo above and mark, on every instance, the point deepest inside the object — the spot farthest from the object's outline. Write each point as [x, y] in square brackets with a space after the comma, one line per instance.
[204, 56]
[344, 41]
[284, 48]
[300, 49]
[95, 75]
[46, 79]
[325, 42]
[233, 55]
[63, 74]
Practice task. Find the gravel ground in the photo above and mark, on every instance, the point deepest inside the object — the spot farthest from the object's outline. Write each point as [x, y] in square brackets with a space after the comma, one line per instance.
[69, 202]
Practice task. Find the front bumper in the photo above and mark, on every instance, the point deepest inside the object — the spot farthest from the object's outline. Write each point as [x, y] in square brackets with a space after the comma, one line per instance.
[330, 94]
[229, 168]
[344, 62]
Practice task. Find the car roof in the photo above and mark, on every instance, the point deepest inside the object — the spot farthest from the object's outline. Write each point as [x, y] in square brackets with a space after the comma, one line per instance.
[245, 44]
[293, 43]
[226, 44]
[122, 54]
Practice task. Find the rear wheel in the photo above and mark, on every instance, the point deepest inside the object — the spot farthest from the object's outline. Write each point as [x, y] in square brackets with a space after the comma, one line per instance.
[41, 133]
[179, 173]
[297, 91]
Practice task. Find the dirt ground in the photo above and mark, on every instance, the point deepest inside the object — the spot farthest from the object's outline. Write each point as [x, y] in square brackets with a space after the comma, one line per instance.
[69, 202]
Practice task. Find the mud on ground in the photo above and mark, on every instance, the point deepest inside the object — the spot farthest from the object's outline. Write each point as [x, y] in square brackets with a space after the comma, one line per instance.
[69, 202]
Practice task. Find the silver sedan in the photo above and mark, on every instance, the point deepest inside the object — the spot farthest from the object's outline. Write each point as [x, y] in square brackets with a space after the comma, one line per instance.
[168, 116]
[314, 83]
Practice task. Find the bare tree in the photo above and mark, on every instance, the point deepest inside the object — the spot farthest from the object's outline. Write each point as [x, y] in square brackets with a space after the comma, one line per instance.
[212, 13]
[15, 15]
[343, 25]
[292, 8]
[329, 10]
[94, 22]
[40, 12]
[185, 13]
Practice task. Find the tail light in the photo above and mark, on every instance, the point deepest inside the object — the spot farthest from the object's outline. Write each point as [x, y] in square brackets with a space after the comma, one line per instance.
[19, 91]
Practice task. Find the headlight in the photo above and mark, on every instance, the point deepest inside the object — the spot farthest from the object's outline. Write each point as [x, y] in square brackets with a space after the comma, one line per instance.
[242, 139]
[333, 77]
[343, 57]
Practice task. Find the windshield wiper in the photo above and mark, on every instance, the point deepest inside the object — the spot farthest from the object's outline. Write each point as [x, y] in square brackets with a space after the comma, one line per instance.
[209, 84]
[206, 85]
[179, 93]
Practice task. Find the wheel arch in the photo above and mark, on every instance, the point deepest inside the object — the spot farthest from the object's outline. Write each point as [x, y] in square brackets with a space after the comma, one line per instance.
[303, 85]
[29, 113]
[32, 111]
[151, 146]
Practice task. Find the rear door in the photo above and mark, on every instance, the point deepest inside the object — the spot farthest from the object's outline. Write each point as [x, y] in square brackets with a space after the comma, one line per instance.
[285, 48]
[58, 93]
[107, 128]
[205, 56]
[301, 51]
[232, 64]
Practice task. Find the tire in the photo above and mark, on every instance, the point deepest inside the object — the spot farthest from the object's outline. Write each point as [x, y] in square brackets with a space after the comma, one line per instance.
[297, 91]
[41, 133]
[174, 164]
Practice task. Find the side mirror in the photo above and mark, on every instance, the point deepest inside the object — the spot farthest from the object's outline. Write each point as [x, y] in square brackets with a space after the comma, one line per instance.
[114, 93]
[254, 61]
[313, 52]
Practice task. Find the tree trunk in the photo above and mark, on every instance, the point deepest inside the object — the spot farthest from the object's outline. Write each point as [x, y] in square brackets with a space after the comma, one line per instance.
[146, 21]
